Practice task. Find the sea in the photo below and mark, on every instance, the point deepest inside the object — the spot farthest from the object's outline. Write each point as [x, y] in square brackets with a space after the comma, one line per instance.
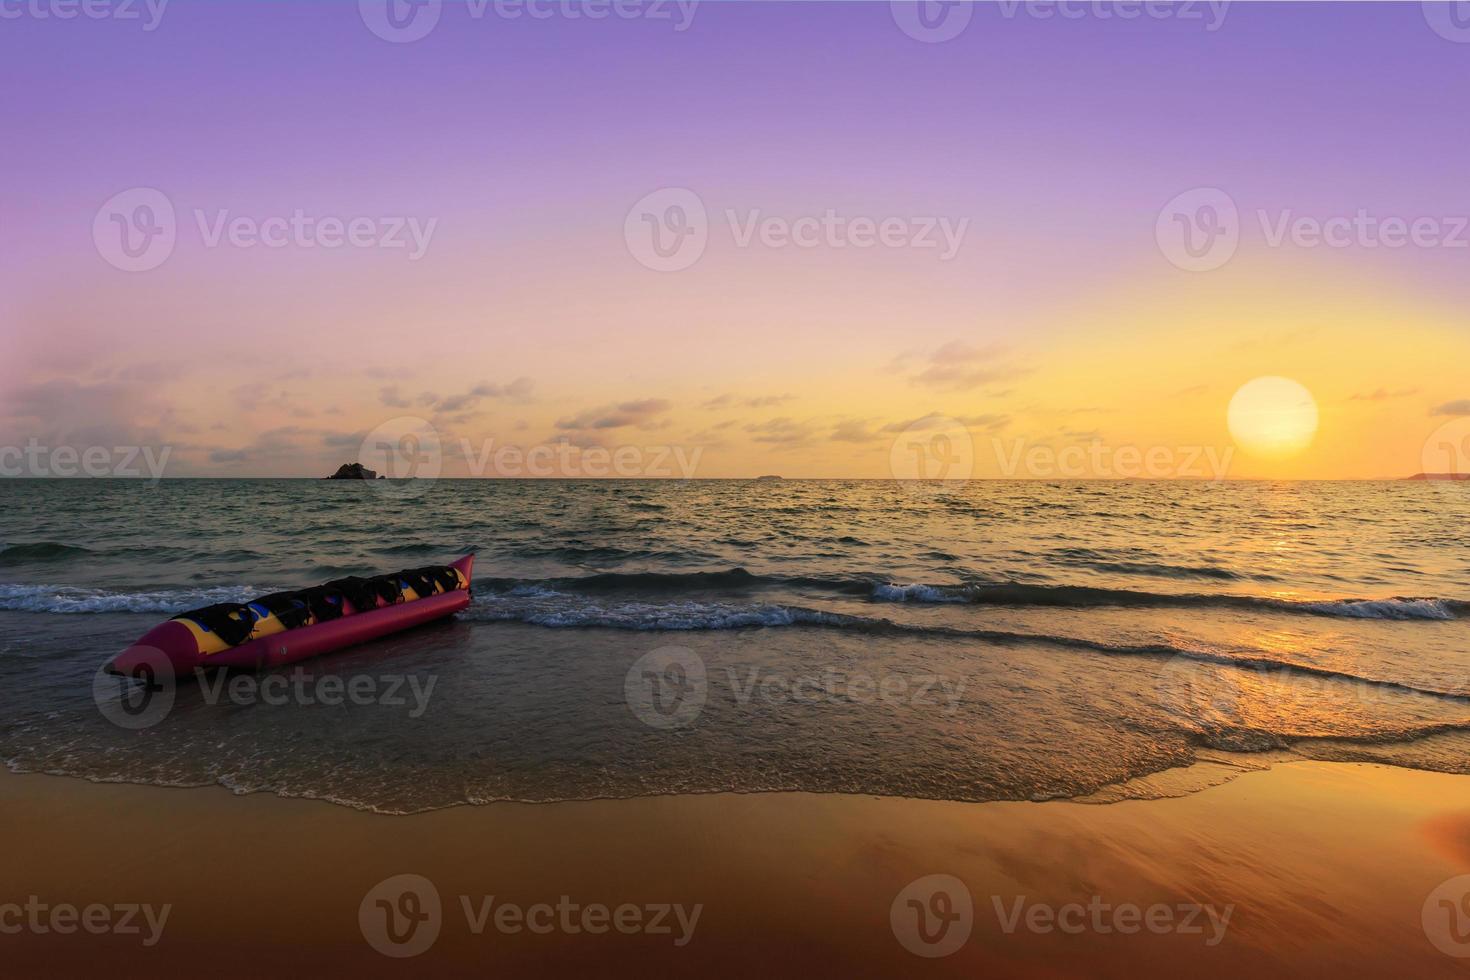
[988, 640]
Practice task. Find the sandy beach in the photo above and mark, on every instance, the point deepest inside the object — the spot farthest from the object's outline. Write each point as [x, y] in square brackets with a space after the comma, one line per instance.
[1308, 866]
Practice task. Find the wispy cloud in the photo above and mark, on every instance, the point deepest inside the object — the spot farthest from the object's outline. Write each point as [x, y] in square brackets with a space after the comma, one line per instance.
[934, 420]
[736, 401]
[1460, 406]
[390, 396]
[960, 367]
[519, 389]
[616, 416]
[783, 431]
[1383, 394]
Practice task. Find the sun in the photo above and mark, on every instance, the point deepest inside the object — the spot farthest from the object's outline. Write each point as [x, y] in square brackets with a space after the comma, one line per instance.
[1272, 418]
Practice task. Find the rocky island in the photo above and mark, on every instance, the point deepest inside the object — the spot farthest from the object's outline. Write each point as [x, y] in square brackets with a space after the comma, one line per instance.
[353, 471]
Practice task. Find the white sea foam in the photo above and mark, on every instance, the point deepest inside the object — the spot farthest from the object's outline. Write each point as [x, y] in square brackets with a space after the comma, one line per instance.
[71, 599]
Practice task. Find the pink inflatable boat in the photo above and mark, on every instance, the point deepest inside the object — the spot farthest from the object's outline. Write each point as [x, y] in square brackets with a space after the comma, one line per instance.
[288, 626]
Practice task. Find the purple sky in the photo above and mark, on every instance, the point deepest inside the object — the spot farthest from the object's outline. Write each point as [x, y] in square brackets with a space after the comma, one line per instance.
[528, 140]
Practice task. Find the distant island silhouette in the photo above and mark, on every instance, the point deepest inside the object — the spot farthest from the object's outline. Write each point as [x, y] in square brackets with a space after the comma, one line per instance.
[353, 471]
[1439, 476]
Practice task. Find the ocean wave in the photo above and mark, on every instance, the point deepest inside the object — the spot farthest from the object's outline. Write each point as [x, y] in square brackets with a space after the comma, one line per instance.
[538, 606]
[39, 551]
[656, 589]
[66, 599]
[880, 589]
[1105, 561]
[1082, 596]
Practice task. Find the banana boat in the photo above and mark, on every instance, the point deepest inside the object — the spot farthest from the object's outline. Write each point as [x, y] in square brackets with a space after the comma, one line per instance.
[284, 627]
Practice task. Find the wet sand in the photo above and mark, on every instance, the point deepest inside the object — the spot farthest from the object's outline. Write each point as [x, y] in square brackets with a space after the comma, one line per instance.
[1321, 868]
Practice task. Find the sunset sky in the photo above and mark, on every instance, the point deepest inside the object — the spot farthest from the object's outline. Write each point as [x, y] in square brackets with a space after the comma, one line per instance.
[527, 313]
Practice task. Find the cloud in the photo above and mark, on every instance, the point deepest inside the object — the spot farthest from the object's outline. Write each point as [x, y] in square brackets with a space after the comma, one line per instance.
[519, 389]
[990, 421]
[390, 395]
[343, 440]
[734, 401]
[396, 373]
[1460, 406]
[854, 430]
[1383, 394]
[65, 411]
[615, 416]
[959, 367]
[256, 394]
[782, 431]
[288, 442]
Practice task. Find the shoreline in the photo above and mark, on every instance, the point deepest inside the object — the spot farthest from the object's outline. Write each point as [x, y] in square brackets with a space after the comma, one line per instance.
[1211, 768]
[1323, 866]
